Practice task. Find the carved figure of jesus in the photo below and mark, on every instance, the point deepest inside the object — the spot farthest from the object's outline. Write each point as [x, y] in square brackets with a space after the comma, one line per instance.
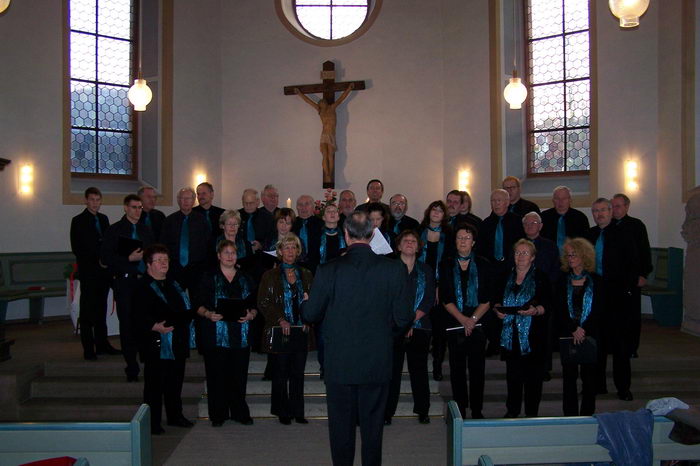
[328, 122]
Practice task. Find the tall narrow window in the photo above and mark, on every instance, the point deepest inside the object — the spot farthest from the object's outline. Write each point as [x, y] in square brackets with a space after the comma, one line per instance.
[559, 80]
[102, 46]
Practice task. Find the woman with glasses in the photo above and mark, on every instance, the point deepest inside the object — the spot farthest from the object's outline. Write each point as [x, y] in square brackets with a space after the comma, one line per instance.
[578, 311]
[230, 223]
[523, 301]
[465, 291]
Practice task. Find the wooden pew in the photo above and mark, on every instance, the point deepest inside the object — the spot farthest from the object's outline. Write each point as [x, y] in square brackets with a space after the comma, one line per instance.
[101, 443]
[33, 276]
[544, 440]
[665, 286]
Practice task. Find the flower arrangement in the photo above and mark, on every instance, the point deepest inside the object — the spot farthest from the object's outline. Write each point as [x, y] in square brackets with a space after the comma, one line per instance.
[330, 197]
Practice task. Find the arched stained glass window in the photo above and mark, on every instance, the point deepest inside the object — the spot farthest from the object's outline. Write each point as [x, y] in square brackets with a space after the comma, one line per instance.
[559, 110]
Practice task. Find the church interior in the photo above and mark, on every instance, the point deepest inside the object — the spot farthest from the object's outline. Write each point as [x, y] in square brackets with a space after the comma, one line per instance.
[430, 119]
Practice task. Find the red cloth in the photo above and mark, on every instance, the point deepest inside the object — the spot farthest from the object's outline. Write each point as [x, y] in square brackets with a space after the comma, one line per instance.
[62, 461]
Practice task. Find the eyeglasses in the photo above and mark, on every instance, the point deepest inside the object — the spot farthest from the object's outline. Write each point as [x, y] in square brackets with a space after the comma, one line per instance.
[535, 222]
[398, 203]
[464, 238]
[522, 253]
[232, 224]
[571, 255]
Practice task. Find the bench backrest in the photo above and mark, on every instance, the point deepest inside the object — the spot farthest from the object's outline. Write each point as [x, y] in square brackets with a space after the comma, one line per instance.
[18, 271]
[101, 443]
[668, 268]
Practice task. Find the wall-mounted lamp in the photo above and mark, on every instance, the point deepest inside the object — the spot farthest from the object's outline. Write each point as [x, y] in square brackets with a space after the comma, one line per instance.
[631, 176]
[628, 11]
[26, 179]
[463, 180]
[199, 178]
[4, 4]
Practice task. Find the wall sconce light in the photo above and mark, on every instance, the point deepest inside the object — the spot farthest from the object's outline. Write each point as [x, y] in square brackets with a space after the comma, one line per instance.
[199, 178]
[4, 4]
[26, 179]
[628, 11]
[463, 180]
[631, 176]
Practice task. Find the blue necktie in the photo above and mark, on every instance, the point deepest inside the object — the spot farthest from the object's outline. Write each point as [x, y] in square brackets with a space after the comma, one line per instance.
[498, 243]
[396, 227]
[511, 208]
[135, 235]
[148, 219]
[206, 215]
[599, 254]
[250, 231]
[185, 242]
[98, 227]
[304, 235]
[561, 232]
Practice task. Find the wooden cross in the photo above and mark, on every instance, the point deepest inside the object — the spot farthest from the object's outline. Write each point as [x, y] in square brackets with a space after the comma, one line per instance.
[328, 88]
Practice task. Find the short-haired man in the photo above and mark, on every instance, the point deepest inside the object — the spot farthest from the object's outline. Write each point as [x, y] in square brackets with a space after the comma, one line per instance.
[186, 235]
[360, 298]
[465, 210]
[265, 218]
[637, 231]
[86, 232]
[249, 213]
[306, 226]
[126, 268]
[563, 221]
[375, 191]
[454, 201]
[150, 216]
[399, 221]
[346, 204]
[617, 262]
[518, 205]
[211, 213]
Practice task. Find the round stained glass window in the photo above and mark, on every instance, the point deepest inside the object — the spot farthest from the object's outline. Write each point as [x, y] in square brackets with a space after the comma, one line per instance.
[328, 22]
[331, 19]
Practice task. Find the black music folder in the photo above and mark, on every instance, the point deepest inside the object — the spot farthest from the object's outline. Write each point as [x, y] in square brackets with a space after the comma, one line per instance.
[127, 245]
[584, 353]
[296, 341]
[231, 309]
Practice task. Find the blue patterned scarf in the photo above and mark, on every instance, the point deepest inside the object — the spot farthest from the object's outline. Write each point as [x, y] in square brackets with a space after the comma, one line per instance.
[420, 291]
[587, 298]
[288, 294]
[166, 339]
[520, 322]
[222, 336]
[472, 284]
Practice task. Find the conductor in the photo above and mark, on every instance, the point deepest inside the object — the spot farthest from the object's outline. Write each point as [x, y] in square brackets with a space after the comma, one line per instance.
[362, 299]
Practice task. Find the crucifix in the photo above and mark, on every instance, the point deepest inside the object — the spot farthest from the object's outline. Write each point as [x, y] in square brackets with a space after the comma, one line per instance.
[326, 110]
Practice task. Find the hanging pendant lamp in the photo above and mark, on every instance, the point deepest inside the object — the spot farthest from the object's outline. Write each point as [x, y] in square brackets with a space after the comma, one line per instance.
[4, 4]
[515, 92]
[628, 11]
[140, 94]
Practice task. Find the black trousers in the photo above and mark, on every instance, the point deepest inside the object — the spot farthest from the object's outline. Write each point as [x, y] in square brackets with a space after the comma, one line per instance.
[635, 313]
[348, 406]
[438, 320]
[524, 374]
[93, 313]
[468, 352]
[227, 379]
[288, 384]
[124, 288]
[162, 381]
[570, 374]
[415, 350]
[616, 340]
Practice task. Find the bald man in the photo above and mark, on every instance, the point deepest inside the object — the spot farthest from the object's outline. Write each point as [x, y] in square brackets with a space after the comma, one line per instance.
[563, 221]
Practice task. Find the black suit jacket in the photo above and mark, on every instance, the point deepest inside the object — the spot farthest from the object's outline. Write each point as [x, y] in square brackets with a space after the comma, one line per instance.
[198, 238]
[361, 298]
[512, 232]
[406, 223]
[576, 224]
[157, 218]
[522, 207]
[109, 253]
[214, 215]
[634, 228]
[620, 258]
[86, 241]
[313, 227]
[264, 224]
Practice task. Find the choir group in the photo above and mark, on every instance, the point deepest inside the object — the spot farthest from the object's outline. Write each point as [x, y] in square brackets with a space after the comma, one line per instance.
[519, 283]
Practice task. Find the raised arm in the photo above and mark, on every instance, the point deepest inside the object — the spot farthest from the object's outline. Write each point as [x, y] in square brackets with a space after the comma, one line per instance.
[344, 95]
[306, 98]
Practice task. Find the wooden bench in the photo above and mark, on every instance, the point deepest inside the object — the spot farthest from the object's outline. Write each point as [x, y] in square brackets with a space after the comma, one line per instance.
[101, 443]
[544, 440]
[33, 276]
[665, 286]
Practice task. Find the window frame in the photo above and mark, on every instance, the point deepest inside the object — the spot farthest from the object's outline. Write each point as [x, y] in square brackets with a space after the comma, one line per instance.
[368, 9]
[134, 39]
[529, 127]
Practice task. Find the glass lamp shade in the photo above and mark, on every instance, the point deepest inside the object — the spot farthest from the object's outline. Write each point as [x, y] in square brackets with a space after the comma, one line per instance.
[140, 94]
[4, 4]
[628, 11]
[515, 93]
